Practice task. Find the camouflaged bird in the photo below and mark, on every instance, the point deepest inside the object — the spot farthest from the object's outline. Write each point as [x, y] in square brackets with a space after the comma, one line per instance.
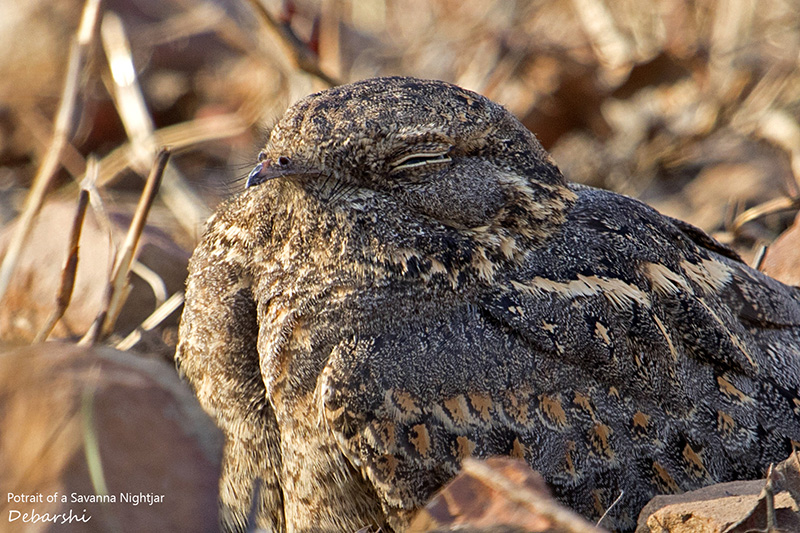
[408, 280]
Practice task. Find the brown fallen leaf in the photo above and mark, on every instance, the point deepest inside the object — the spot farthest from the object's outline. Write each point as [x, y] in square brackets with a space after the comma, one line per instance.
[782, 261]
[498, 495]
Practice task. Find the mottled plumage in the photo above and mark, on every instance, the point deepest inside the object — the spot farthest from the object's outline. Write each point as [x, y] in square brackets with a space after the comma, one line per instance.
[408, 280]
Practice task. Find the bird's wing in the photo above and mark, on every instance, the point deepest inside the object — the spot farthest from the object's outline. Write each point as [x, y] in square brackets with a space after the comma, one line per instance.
[704, 240]
[632, 359]
[703, 351]
[408, 403]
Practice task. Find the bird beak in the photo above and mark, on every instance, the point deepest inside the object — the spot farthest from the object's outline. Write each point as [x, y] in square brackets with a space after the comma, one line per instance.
[257, 175]
[268, 170]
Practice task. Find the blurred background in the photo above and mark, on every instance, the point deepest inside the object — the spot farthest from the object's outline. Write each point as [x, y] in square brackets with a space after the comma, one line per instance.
[690, 106]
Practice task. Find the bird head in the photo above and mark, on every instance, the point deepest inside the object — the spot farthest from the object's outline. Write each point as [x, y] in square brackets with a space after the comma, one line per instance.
[425, 149]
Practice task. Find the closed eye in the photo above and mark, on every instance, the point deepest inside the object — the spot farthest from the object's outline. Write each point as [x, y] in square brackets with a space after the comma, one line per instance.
[420, 159]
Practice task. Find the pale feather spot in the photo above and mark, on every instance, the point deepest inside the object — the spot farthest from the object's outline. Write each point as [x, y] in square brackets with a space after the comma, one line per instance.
[464, 447]
[664, 480]
[459, 411]
[420, 439]
[601, 331]
[710, 275]
[665, 281]
[584, 402]
[482, 404]
[666, 336]
[553, 409]
[508, 246]
[600, 436]
[640, 420]
[695, 466]
[619, 294]
[725, 423]
[548, 327]
[483, 265]
[730, 390]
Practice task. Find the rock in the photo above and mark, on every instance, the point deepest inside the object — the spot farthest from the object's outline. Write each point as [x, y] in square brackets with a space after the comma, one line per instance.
[61, 404]
[735, 507]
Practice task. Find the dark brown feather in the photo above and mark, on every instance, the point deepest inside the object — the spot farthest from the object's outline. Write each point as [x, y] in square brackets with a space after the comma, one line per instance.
[415, 283]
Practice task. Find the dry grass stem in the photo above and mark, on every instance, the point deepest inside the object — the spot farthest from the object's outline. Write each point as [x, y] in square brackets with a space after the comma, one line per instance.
[118, 285]
[610, 46]
[205, 17]
[178, 137]
[151, 278]
[94, 461]
[561, 518]
[152, 321]
[780, 128]
[127, 94]
[767, 208]
[89, 182]
[188, 208]
[128, 251]
[51, 162]
[67, 283]
[613, 504]
[91, 446]
[201, 18]
[758, 259]
[42, 132]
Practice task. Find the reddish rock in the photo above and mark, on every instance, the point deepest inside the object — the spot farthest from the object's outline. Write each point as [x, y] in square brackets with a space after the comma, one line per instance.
[735, 507]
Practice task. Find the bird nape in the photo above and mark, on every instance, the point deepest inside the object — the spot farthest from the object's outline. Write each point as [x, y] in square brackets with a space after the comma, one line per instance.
[408, 280]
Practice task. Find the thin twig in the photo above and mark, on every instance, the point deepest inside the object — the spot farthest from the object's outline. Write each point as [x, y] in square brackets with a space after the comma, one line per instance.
[123, 266]
[766, 208]
[152, 278]
[294, 47]
[67, 284]
[91, 449]
[51, 162]
[613, 504]
[89, 182]
[91, 446]
[768, 493]
[41, 131]
[178, 136]
[115, 292]
[781, 129]
[769, 496]
[761, 254]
